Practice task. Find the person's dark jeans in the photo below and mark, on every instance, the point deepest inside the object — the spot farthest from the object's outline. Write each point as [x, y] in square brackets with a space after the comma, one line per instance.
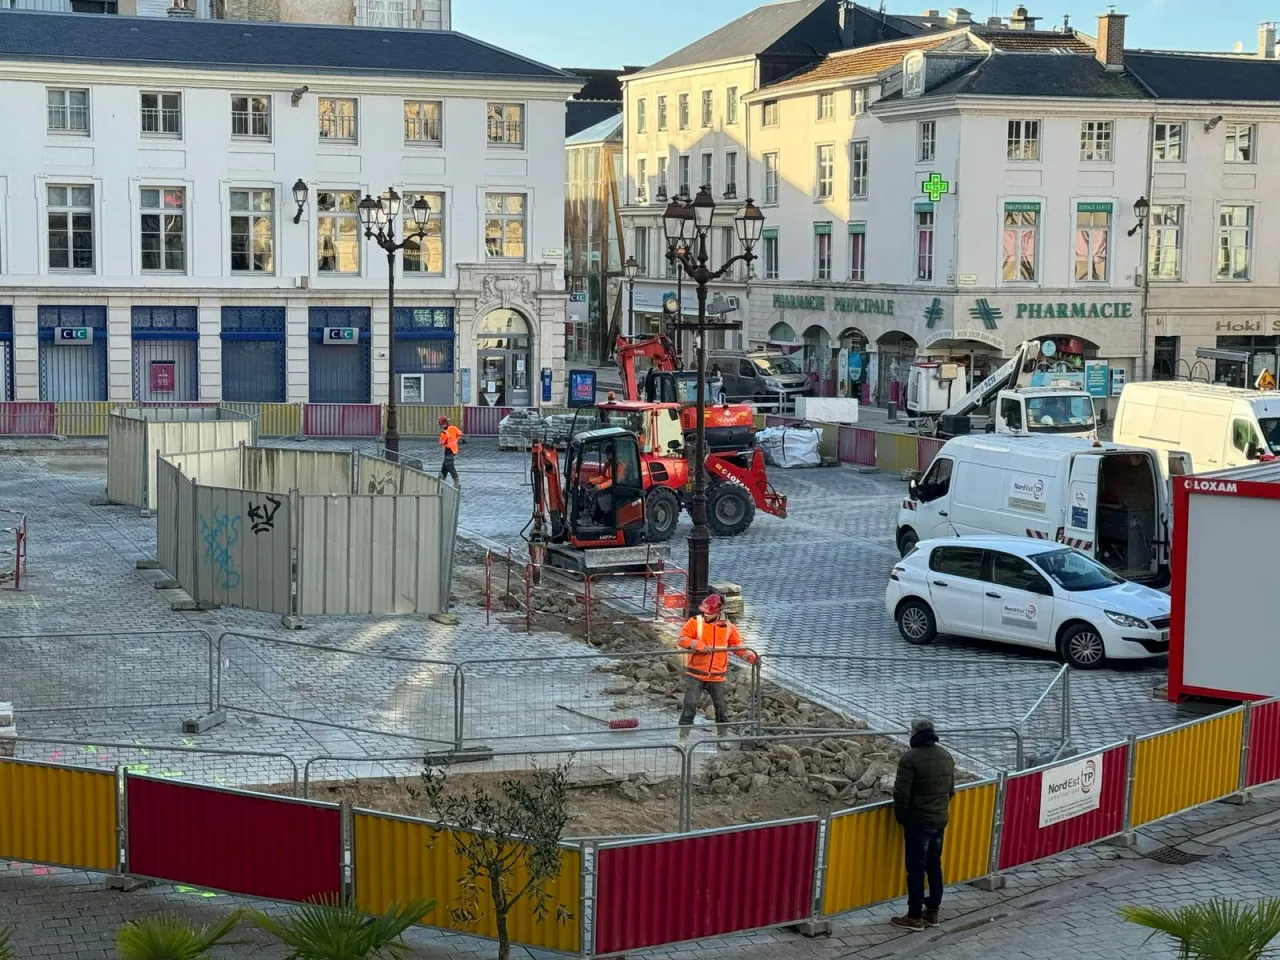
[447, 468]
[693, 688]
[924, 860]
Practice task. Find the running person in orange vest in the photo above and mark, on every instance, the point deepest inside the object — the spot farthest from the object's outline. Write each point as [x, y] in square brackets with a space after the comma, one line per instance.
[711, 638]
[449, 437]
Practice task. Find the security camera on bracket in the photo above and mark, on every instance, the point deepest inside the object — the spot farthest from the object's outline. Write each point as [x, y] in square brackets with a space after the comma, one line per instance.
[300, 92]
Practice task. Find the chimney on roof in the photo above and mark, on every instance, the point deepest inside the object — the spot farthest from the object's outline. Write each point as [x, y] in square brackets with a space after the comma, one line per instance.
[1110, 48]
[957, 16]
[1267, 40]
[1021, 20]
[931, 14]
[845, 13]
[995, 21]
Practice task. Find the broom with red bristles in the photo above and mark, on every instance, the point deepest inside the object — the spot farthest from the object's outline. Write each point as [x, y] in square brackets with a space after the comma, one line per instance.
[624, 723]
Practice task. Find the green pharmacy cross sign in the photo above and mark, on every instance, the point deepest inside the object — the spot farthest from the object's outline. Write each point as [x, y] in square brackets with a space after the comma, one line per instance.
[935, 186]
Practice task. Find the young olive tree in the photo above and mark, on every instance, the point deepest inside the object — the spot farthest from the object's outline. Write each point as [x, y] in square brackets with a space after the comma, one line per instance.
[509, 839]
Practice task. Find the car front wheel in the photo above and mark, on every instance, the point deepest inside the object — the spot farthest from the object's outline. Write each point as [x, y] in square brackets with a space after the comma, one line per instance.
[916, 623]
[1082, 647]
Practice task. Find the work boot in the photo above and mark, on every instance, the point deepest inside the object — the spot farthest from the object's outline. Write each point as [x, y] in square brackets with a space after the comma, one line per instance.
[685, 730]
[724, 732]
[931, 918]
[914, 924]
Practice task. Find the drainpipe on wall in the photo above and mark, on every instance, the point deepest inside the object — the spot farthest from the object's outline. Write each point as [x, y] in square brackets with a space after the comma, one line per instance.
[1143, 256]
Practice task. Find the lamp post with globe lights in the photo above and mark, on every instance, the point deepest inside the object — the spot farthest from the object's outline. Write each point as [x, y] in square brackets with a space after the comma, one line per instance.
[687, 226]
[378, 217]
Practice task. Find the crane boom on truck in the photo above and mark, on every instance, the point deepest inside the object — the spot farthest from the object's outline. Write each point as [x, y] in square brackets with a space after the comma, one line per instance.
[1020, 408]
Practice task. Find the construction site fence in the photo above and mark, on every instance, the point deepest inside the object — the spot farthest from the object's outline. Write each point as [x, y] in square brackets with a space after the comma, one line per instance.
[13, 559]
[886, 450]
[58, 419]
[609, 896]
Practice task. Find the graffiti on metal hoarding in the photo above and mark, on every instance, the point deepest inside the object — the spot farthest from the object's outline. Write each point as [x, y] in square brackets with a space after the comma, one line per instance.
[219, 536]
[262, 516]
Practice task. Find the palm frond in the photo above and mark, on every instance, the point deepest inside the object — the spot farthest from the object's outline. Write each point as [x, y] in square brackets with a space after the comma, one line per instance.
[339, 931]
[1231, 930]
[1179, 924]
[169, 937]
[6, 937]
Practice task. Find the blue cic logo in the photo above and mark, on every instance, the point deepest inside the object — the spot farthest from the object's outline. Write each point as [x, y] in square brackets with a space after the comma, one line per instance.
[341, 334]
[73, 334]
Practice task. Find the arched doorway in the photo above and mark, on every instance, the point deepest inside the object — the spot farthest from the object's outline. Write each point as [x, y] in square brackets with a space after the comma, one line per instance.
[782, 338]
[504, 359]
[896, 352]
[817, 361]
[851, 380]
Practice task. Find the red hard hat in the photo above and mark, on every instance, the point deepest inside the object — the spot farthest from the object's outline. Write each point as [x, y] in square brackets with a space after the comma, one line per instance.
[712, 605]
[443, 421]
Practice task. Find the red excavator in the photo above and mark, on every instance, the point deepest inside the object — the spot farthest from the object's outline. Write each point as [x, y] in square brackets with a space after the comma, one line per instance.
[593, 517]
[665, 422]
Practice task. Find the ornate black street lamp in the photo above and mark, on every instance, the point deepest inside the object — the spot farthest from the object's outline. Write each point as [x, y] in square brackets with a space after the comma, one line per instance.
[686, 226]
[378, 217]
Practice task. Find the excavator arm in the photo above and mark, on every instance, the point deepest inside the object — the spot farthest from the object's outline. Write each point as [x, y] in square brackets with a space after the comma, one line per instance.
[548, 500]
[627, 350]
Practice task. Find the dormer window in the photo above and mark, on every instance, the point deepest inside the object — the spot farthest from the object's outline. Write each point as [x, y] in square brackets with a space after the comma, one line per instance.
[913, 74]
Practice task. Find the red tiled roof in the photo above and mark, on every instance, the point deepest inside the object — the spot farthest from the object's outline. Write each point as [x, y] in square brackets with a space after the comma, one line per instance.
[862, 62]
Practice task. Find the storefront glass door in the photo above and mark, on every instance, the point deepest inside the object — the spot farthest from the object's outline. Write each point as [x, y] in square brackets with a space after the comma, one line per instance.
[493, 378]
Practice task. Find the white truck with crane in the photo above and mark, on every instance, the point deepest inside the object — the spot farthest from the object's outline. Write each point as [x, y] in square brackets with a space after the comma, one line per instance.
[1017, 407]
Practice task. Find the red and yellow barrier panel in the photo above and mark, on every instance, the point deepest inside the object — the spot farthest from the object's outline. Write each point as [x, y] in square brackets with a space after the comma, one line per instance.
[1264, 744]
[58, 815]
[1186, 767]
[399, 858]
[865, 851]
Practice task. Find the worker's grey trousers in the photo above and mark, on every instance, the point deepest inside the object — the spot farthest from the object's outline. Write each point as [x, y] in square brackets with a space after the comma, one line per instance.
[693, 688]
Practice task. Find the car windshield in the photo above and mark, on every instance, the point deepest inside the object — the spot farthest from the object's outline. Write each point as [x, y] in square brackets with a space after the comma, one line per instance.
[1073, 571]
[1059, 414]
[1271, 432]
[776, 365]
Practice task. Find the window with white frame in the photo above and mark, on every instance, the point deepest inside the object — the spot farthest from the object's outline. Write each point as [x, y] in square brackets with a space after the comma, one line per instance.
[683, 170]
[163, 229]
[825, 174]
[858, 251]
[1021, 248]
[1167, 141]
[1235, 239]
[505, 124]
[1023, 140]
[642, 180]
[1164, 241]
[68, 111]
[826, 106]
[662, 113]
[822, 251]
[913, 74]
[708, 108]
[927, 139]
[1095, 140]
[642, 119]
[423, 257]
[858, 101]
[251, 117]
[253, 231]
[731, 105]
[707, 173]
[769, 113]
[731, 174]
[771, 177]
[1240, 142]
[424, 122]
[859, 169]
[1093, 241]
[727, 249]
[338, 231]
[682, 111]
[769, 238]
[381, 13]
[504, 226]
[337, 119]
[70, 213]
[642, 251]
[162, 115]
[662, 178]
[924, 224]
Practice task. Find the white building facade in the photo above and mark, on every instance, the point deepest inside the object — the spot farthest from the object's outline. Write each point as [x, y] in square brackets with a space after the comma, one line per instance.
[151, 247]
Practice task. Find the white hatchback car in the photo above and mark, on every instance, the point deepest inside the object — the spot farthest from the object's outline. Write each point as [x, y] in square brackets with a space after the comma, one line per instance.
[1028, 592]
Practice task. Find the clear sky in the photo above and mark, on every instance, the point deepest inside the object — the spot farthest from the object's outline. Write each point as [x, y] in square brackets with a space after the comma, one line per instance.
[610, 33]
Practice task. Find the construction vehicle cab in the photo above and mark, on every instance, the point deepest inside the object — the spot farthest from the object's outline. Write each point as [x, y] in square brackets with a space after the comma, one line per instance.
[591, 517]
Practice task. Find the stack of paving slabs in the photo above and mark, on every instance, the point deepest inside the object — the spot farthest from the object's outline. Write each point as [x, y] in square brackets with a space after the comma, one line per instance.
[8, 732]
[520, 428]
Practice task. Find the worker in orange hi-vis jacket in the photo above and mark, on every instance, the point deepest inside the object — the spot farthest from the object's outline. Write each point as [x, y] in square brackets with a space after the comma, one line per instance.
[449, 437]
[711, 638]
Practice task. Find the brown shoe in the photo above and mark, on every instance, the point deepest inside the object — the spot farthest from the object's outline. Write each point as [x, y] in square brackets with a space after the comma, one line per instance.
[930, 918]
[908, 923]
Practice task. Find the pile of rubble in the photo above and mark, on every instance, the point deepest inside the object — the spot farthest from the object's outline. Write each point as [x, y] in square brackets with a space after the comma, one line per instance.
[520, 428]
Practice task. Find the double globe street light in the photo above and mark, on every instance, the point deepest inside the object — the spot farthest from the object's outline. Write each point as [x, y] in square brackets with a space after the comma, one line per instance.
[686, 226]
[378, 217]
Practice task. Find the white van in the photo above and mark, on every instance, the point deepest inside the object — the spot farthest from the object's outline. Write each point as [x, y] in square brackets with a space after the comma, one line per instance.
[1110, 501]
[1218, 426]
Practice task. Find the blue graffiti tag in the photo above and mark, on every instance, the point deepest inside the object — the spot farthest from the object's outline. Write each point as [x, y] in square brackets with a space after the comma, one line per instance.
[219, 537]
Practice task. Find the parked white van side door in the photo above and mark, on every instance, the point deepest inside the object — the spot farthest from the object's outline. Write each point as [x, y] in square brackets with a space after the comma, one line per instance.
[1081, 530]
